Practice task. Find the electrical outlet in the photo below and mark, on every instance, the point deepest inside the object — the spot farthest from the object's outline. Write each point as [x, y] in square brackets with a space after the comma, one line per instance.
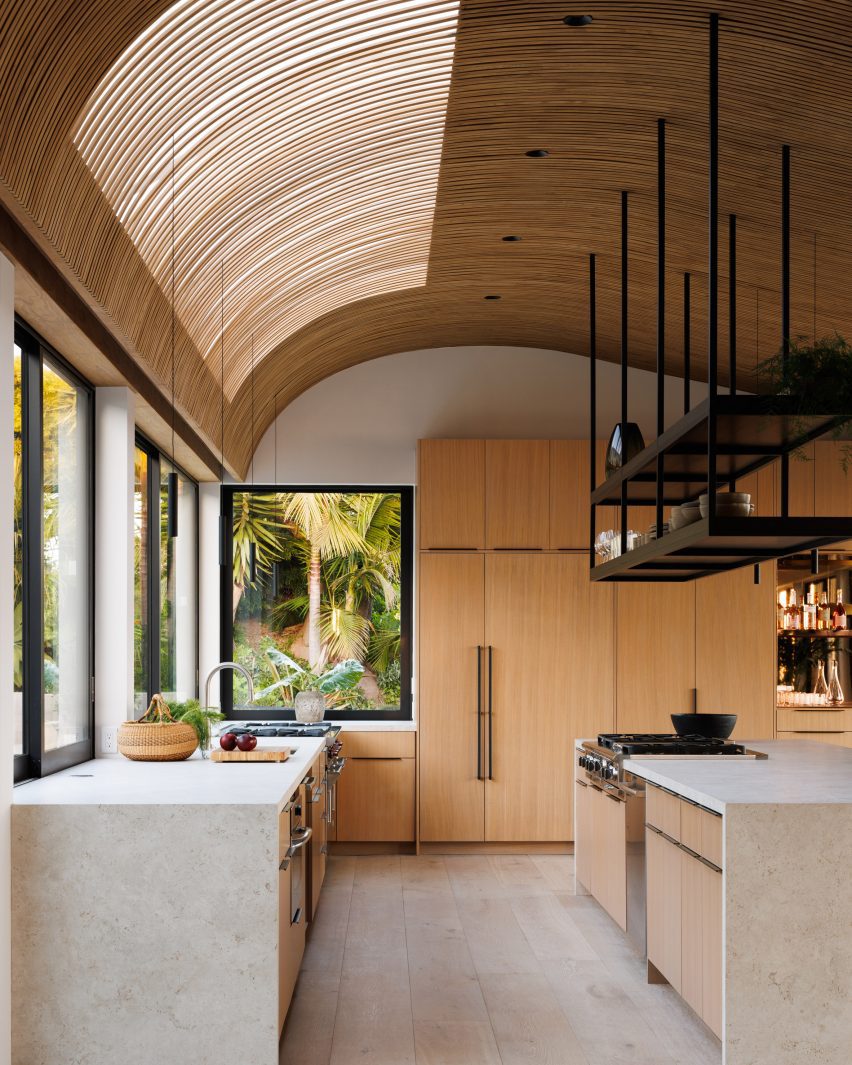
[109, 740]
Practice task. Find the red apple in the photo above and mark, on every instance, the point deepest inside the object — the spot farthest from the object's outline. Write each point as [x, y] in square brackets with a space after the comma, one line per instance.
[247, 742]
[227, 741]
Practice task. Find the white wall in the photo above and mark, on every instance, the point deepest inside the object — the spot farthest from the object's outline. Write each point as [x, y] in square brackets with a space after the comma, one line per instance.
[208, 587]
[114, 560]
[7, 333]
[362, 424]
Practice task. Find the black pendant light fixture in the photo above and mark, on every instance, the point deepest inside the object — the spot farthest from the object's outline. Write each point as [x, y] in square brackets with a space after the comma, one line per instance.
[172, 480]
[626, 439]
[223, 530]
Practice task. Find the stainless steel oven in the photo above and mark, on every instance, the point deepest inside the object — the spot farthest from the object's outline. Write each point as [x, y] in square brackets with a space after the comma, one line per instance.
[300, 834]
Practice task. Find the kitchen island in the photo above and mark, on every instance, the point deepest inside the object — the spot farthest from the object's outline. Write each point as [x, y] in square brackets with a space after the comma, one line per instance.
[748, 906]
[146, 911]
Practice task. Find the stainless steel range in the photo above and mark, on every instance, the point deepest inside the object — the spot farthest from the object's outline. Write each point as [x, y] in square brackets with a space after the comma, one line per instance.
[604, 761]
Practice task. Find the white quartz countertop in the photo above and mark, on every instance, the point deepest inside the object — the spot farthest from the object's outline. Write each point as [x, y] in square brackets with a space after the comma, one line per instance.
[196, 781]
[796, 771]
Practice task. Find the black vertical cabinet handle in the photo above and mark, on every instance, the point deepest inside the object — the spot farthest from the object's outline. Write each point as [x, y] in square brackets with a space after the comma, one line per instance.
[479, 713]
[490, 714]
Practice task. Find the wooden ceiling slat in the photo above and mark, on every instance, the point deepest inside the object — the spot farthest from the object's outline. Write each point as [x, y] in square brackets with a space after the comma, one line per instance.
[520, 80]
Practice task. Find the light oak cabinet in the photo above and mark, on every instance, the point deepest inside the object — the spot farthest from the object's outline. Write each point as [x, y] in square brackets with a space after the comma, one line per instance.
[376, 791]
[511, 671]
[664, 906]
[451, 494]
[508, 495]
[451, 641]
[684, 903]
[517, 494]
[735, 649]
[708, 645]
[818, 483]
[655, 655]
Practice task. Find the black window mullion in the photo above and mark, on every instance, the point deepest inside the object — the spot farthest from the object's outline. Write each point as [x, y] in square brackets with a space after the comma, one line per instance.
[154, 605]
[33, 555]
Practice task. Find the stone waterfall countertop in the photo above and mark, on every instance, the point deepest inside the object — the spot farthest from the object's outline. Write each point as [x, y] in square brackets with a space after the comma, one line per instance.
[194, 782]
[796, 771]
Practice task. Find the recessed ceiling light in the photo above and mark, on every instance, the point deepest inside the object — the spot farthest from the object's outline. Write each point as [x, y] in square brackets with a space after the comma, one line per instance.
[578, 20]
[538, 153]
[511, 240]
[492, 297]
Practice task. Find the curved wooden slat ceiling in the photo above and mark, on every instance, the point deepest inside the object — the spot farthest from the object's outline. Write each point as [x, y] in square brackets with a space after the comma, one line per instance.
[521, 79]
[307, 141]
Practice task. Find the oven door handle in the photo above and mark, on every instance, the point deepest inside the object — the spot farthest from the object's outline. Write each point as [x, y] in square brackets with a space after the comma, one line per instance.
[298, 840]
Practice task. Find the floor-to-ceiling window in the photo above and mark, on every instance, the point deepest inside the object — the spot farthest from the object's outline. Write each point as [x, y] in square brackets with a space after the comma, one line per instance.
[53, 579]
[165, 582]
[318, 594]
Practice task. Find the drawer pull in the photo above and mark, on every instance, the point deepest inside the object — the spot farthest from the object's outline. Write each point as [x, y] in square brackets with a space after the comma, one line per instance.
[284, 866]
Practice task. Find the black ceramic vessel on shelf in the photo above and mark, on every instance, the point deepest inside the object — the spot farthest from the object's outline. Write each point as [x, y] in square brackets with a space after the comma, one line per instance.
[625, 442]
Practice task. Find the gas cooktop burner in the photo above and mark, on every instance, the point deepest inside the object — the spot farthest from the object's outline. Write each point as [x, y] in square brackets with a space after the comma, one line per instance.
[261, 728]
[666, 743]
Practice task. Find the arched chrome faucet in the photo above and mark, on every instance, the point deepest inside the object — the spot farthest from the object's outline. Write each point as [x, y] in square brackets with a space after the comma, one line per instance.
[217, 669]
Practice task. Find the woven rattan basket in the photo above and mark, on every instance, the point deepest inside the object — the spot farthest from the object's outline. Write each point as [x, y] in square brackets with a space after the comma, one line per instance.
[156, 736]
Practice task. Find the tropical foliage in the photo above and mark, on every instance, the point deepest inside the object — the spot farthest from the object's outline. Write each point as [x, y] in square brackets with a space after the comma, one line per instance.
[326, 593]
[818, 379]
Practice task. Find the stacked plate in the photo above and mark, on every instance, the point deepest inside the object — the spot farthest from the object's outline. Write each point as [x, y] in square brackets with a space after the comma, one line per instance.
[728, 505]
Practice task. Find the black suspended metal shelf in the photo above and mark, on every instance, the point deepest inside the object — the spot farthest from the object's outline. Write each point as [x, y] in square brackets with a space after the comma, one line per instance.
[717, 442]
[713, 545]
[750, 433]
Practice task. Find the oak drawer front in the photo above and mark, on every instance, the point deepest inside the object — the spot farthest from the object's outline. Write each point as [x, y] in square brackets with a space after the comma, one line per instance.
[377, 744]
[701, 831]
[789, 719]
[839, 739]
[662, 811]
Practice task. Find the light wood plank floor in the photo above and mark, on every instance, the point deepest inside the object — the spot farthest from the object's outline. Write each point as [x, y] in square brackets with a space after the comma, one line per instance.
[477, 960]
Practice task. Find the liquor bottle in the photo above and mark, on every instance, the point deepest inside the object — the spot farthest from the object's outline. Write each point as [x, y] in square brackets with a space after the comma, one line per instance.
[793, 611]
[838, 613]
[824, 615]
[782, 615]
[810, 611]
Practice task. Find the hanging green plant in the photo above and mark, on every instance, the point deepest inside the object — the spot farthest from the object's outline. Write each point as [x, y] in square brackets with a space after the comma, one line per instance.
[819, 378]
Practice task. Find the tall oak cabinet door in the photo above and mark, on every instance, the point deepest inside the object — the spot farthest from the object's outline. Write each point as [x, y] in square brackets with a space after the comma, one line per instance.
[517, 494]
[451, 494]
[452, 596]
[549, 640]
[735, 648]
[655, 655]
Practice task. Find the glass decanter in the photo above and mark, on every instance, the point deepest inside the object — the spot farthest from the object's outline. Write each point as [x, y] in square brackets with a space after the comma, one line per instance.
[821, 686]
[835, 692]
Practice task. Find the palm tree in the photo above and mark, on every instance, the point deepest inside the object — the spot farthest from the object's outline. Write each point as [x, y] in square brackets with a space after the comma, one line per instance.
[257, 519]
[328, 524]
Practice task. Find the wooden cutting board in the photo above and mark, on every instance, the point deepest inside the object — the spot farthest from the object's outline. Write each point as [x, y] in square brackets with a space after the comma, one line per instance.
[259, 754]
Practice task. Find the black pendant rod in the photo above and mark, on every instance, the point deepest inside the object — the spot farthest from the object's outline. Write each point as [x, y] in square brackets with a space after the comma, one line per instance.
[624, 281]
[687, 314]
[713, 264]
[732, 301]
[732, 313]
[593, 402]
[661, 309]
[785, 305]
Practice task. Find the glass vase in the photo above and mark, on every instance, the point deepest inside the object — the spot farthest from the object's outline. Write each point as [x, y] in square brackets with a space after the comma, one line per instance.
[835, 692]
[821, 686]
